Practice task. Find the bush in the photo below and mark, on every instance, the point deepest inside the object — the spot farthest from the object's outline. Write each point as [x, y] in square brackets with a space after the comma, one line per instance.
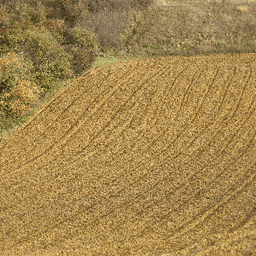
[8, 64]
[24, 95]
[108, 19]
[21, 15]
[17, 92]
[84, 38]
[82, 59]
[49, 58]
[56, 27]
[5, 17]
[70, 10]
[107, 26]
[9, 39]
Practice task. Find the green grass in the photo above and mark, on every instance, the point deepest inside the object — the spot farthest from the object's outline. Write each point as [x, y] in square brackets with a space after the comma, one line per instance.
[168, 28]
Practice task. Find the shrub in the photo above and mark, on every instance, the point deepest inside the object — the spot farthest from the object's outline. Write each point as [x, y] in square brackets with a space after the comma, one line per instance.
[24, 95]
[56, 27]
[70, 10]
[5, 17]
[49, 58]
[7, 77]
[17, 93]
[107, 26]
[82, 59]
[84, 38]
[37, 14]
[16, 18]
[25, 16]
[9, 39]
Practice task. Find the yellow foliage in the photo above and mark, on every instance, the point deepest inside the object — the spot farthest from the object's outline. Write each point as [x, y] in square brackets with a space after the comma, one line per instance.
[17, 107]
[25, 92]
[6, 95]
[9, 59]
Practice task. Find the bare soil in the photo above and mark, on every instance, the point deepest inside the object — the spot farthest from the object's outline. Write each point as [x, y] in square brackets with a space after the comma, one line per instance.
[145, 157]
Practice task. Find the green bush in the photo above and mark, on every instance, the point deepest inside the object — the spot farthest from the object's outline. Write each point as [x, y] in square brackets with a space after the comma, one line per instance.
[84, 38]
[56, 27]
[36, 14]
[69, 10]
[82, 59]
[9, 39]
[49, 58]
[22, 15]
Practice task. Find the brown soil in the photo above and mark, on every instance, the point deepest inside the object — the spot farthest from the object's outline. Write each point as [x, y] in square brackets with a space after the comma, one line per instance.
[145, 157]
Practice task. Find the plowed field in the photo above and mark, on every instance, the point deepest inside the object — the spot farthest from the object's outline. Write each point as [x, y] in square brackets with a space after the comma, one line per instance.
[145, 157]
